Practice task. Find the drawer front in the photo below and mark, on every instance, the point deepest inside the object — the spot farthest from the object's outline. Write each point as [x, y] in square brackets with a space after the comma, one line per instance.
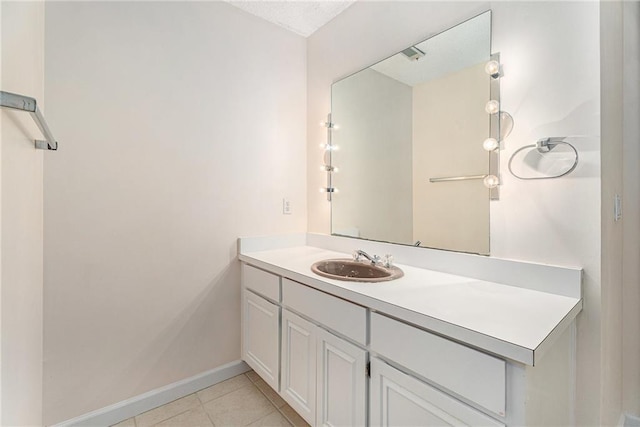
[469, 373]
[261, 282]
[397, 399]
[341, 316]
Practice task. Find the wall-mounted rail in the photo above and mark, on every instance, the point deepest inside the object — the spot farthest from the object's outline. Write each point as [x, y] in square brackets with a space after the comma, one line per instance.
[25, 103]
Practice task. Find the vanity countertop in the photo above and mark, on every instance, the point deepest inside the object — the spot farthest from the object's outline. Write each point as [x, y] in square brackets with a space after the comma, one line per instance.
[512, 322]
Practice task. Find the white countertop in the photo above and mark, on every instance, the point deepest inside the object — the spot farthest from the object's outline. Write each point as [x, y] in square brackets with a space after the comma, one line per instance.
[512, 322]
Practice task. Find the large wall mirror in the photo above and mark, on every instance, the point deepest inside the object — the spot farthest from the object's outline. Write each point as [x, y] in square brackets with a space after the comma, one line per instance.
[405, 121]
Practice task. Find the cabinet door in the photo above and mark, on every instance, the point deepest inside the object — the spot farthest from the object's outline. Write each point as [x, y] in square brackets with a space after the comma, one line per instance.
[342, 382]
[299, 365]
[261, 337]
[398, 399]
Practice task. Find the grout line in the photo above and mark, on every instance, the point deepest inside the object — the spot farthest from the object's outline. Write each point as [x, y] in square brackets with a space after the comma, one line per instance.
[208, 416]
[218, 397]
[272, 404]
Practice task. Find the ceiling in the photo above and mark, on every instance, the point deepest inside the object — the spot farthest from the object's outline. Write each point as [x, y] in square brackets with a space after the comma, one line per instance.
[301, 17]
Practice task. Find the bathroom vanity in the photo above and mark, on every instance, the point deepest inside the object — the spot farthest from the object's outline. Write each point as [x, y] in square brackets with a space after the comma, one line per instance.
[492, 345]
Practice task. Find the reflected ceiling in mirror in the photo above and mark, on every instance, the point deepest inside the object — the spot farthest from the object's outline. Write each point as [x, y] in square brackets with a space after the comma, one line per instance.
[416, 116]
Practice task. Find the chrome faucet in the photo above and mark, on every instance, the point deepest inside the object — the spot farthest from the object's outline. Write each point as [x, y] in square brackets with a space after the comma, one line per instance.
[387, 261]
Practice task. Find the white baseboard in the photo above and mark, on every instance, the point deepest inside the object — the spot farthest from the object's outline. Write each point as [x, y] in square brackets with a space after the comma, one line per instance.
[121, 411]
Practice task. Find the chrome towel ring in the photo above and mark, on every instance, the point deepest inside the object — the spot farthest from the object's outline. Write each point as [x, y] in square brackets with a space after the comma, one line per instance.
[544, 146]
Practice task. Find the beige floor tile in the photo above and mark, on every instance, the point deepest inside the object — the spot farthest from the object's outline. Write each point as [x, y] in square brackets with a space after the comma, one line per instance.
[196, 417]
[293, 417]
[253, 376]
[270, 393]
[239, 408]
[274, 419]
[223, 388]
[167, 411]
[126, 423]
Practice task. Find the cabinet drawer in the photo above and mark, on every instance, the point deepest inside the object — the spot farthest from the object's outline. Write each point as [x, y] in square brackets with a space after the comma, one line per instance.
[339, 315]
[469, 373]
[398, 399]
[261, 282]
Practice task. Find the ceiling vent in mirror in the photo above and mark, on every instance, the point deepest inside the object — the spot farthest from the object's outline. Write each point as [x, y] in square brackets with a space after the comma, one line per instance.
[413, 53]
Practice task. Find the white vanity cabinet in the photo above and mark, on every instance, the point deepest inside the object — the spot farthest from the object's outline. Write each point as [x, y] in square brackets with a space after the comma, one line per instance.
[339, 363]
[398, 399]
[261, 323]
[299, 365]
[341, 382]
[321, 375]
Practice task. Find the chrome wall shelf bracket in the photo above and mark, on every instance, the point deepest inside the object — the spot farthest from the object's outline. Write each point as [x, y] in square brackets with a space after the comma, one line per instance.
[25, 103]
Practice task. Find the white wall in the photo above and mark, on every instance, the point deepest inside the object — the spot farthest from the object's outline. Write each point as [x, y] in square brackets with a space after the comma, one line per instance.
[550, 52]
[181, 127]
[22, 35]
[555, 221]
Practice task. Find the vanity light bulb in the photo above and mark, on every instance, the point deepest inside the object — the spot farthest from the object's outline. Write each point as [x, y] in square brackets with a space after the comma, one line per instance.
[493, 68]
[491, 181]
[490, 144]
[492, 107]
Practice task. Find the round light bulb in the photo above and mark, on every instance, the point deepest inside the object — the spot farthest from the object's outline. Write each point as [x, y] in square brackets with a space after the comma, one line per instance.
[492, 107]
[490, 144]
[492, 68]
[491, 181]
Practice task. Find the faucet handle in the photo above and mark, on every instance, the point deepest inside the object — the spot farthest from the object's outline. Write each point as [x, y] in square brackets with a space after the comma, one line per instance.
[387, 260]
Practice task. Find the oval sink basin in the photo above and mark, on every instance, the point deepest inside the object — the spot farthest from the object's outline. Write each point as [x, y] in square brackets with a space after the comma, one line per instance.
[355, 271]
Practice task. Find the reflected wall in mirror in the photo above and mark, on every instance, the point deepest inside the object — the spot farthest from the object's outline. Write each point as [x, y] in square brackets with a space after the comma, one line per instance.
[417, 115]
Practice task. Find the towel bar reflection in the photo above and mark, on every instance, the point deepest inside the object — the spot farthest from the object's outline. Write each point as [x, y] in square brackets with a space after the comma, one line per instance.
[25, 103]
[457, 178]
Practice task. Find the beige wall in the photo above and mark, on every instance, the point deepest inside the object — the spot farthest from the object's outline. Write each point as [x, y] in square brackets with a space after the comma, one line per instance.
[631, 208]
[612, 230]
[181, 127]
[449, 126]
[554, 221]
[373, 112]
[22, 35]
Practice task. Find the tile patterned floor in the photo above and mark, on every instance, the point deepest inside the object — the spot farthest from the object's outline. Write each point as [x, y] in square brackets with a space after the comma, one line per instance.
[245, 400]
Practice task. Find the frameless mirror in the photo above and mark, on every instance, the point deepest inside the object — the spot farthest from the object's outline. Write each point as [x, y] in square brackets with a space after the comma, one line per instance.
[405, 123]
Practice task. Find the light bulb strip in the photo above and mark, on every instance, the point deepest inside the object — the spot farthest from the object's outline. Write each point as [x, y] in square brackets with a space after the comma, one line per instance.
[329, 149]
[492, 180]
